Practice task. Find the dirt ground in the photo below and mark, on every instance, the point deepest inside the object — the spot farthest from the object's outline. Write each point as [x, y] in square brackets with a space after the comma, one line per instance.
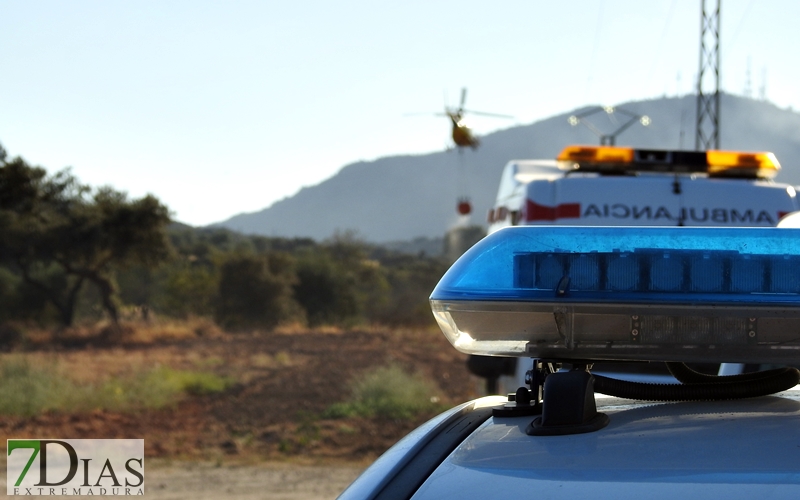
[264, 436]
[273, 481]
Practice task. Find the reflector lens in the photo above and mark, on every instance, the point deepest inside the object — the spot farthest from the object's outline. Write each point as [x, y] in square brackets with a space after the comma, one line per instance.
[584, 272]
[550, 272]
[706, 273]
[785, 275]
[666, 273]
[623, 272]
[748, 274]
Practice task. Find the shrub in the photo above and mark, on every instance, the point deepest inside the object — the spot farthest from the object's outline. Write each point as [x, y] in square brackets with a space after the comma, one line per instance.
[156, 388]
[25, 391]
[28, 391]
[189, 290]
[256, 291]
[388, 392]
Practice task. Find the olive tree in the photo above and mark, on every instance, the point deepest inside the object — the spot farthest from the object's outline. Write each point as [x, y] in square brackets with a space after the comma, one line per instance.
[59, 234]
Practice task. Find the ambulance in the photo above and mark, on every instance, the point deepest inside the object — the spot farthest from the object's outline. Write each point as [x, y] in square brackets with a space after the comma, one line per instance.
[624, 186]
[621, 186]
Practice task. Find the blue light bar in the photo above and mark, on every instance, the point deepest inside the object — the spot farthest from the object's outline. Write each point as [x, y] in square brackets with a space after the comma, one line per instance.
[659, 293]
[679, 265]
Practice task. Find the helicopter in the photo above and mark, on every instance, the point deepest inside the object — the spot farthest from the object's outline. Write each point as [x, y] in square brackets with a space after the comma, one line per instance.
[462, 134]
[463, 137]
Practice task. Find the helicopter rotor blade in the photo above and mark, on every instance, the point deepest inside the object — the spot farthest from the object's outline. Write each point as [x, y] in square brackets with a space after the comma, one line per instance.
[481, 113]
[463, 98]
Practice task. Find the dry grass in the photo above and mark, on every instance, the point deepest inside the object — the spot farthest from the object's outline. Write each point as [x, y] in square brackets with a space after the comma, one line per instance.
[295, 328]
[139, 345]
[169, 329]
[28, 388]
[133, 330]
[128, 332]
[284, 383]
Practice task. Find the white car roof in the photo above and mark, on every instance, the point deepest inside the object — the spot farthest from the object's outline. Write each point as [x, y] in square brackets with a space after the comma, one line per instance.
[735, 449]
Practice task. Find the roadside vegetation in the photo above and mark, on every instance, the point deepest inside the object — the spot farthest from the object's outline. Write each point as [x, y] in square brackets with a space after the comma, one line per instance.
[207, 342]
[72, 255]
[28, 390]
[388, 392]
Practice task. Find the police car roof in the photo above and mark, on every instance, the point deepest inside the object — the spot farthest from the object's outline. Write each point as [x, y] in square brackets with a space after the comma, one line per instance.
[739, 448]
[742, 449]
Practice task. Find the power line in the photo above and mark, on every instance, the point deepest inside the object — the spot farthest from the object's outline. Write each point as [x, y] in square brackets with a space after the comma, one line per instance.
[748, 84]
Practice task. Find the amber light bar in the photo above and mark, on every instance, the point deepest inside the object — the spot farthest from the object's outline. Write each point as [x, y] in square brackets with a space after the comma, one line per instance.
[620, 160]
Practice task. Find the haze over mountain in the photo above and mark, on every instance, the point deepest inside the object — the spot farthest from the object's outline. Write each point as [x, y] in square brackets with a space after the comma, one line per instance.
[405, 197]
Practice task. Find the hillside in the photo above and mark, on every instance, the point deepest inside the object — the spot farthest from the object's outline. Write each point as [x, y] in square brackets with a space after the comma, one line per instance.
[404, 197]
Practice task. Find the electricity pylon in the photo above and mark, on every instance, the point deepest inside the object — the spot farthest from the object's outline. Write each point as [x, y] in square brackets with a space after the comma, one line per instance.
[708, 81]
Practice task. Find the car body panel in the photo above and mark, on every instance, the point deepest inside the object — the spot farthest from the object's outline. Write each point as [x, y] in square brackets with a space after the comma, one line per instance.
[740, 448]
[401, 469]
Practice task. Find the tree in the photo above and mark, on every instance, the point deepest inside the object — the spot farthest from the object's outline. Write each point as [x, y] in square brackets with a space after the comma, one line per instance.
[256, 291]
[59, 234]
[411, 280]
[339, 284]
[189, 290]
[325, 290]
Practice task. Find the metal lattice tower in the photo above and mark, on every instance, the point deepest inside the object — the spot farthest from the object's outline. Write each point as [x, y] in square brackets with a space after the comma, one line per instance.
[708, 81]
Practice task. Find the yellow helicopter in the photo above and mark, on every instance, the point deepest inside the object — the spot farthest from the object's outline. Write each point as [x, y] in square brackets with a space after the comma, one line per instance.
[463, 137]
[462, 134]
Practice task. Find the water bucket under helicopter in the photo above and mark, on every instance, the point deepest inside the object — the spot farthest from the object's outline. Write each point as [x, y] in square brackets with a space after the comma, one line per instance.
[464, 207]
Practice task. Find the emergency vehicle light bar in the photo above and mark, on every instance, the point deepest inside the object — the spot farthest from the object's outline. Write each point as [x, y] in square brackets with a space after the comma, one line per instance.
[619, 160]
[616, 293]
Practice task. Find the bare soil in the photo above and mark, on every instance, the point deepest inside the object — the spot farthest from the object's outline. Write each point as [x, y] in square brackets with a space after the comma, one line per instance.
[275, 481]
[269, 424]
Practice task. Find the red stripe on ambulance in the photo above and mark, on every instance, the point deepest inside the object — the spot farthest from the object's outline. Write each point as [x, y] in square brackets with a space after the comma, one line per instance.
[535, 212]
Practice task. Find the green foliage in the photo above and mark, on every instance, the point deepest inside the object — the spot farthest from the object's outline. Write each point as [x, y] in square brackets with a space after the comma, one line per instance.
[201, 244]
[388, 392]
[70, 252]
[255, 291]
[410, 280]
[139, 284]
[339, 284]
[27, 391]
[189, 290]
[9, 283]
[325, 290]
[29, 301]
[156, 388]
[59, 234]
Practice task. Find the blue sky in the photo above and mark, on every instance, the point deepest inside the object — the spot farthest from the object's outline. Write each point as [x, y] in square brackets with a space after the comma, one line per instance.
[221, 107]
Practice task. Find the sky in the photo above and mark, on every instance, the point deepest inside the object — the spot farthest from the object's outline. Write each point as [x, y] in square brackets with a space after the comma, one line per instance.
[224, 107]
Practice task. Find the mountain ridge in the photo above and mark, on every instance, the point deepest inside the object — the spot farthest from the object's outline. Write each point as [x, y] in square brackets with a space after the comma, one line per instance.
[403, 197]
